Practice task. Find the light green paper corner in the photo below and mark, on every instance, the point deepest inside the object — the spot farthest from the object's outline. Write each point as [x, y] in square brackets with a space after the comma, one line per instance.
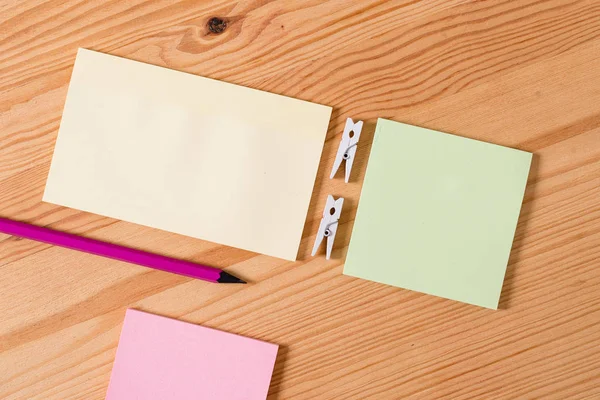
[437, 213]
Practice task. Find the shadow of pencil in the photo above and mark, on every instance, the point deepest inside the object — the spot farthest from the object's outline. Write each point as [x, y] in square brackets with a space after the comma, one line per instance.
[516, 251]
[278, 372]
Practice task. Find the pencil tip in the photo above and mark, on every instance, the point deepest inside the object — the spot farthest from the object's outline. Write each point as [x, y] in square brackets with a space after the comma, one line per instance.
[228, 278]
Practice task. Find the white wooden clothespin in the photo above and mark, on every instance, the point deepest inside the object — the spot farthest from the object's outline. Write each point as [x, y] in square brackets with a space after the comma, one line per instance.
[329, 224]
[347, 148]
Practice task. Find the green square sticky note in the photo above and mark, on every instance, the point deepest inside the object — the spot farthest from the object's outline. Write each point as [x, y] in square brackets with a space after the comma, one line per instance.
[437, 213]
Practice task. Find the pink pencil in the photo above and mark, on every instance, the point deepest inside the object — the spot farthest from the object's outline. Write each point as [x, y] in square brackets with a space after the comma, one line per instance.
[116, 252]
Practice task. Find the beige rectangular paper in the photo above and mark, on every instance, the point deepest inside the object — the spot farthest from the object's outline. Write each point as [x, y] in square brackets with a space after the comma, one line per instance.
[187, 154]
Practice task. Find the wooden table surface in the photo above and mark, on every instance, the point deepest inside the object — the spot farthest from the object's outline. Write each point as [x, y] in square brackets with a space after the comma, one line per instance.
[520, 73]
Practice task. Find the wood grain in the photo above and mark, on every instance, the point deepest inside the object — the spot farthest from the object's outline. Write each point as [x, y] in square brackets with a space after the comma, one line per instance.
[521, 73]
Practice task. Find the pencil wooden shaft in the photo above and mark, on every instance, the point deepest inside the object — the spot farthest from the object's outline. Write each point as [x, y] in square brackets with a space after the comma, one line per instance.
[109, 250]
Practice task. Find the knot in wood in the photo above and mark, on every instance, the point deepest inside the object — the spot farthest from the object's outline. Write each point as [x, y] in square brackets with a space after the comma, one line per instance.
[217, 25]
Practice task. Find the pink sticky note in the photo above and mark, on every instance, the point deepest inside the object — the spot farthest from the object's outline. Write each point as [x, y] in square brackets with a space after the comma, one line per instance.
[160, 358]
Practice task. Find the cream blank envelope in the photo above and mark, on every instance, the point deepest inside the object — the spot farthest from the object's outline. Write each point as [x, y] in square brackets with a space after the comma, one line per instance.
[187, 154]
[160, 358]
[437, 213]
